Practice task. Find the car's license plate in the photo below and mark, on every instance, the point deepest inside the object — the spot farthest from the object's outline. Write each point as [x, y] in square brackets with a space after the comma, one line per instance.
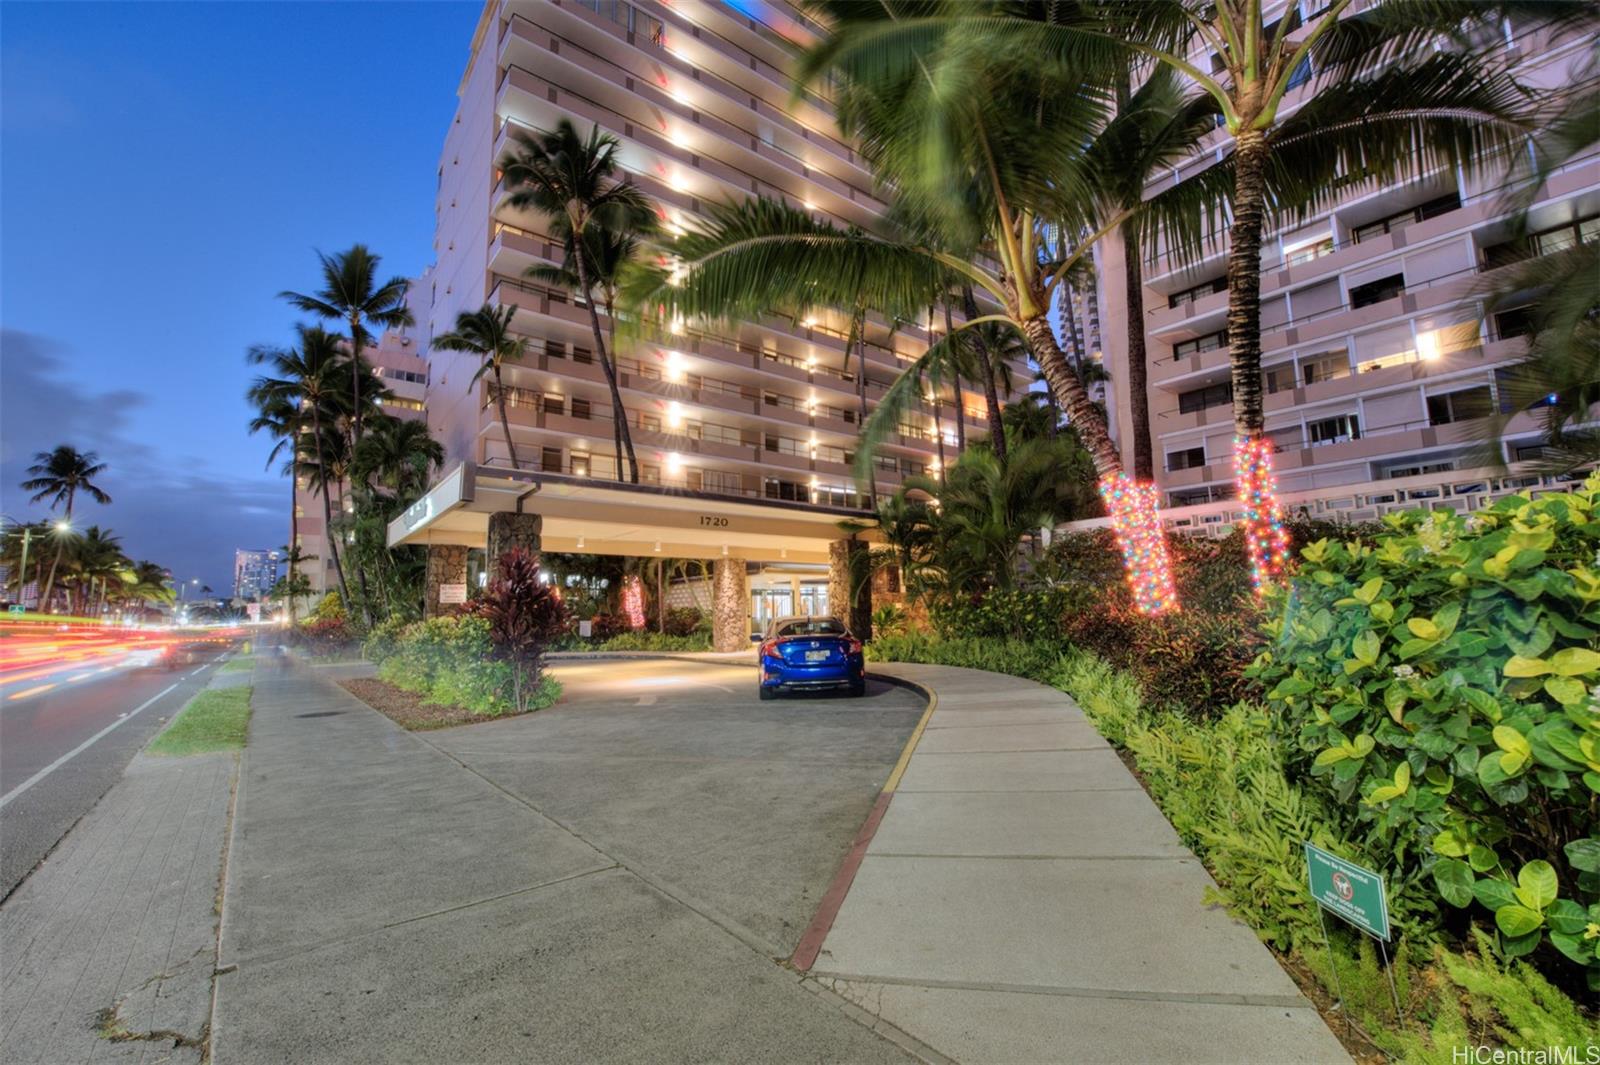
[816, 656]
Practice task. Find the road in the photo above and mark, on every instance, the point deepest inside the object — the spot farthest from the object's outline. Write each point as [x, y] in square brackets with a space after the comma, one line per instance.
[66, 738]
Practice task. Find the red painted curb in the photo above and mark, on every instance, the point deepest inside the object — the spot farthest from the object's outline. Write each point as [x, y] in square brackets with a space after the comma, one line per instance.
[810, 945]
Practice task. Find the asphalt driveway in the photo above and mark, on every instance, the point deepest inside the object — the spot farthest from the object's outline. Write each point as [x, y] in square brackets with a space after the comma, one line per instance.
[679, 768]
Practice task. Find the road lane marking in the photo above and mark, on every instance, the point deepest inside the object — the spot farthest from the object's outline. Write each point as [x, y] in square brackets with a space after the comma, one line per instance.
[646, 700]
[84, 746]
[31, 691]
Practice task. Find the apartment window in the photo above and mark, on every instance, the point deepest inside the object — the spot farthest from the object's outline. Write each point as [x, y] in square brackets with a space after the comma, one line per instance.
[1309, 252]
[912, 468]
[1327, 366]
[792, 491]
[1198, 292]
[550, 459]
[554, 403]
[886, 462]
[1384, 288]
[1393, 472]
[580, 464]
[1285, 438]
[1561, 238]
[1278, 378]
[650, 423]
[1209, 342]
[1198, 399]
[1400, 219]
[400, 403]
[782, 445]
[721, 481]
[1515, 322]
[555, 349]
[583, 355]
[1188, 459]
[1333, 430]
[1533, 452]
[580, 408]
[1460, 406]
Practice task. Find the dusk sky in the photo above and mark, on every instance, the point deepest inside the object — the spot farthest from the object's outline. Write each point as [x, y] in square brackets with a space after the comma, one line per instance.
[168, 169]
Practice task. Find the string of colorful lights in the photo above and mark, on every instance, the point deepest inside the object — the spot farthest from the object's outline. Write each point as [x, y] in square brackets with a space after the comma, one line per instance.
[1265, 537]
[633, 603]
[1137, 521]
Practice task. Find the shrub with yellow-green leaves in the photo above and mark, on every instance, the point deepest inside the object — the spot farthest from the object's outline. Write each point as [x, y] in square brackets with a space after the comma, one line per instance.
[1442, 685]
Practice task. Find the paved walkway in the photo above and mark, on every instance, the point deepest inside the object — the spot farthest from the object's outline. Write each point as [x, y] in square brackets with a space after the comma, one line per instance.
[1023, 899]
[386, 903]
[108, 947]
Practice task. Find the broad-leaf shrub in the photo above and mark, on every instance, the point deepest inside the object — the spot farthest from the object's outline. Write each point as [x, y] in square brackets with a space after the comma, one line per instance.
[1439, 686]
[449, 661]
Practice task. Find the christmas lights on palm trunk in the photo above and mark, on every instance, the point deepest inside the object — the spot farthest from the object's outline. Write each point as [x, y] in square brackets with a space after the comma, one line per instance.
[633, 602]
[1134, 516]
[1265, 537]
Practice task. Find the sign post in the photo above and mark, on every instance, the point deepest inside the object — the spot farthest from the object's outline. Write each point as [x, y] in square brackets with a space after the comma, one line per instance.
[1356, 896]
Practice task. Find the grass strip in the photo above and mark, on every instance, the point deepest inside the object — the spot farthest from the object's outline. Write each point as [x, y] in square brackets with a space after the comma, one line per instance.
[214, 720]
[240, 664]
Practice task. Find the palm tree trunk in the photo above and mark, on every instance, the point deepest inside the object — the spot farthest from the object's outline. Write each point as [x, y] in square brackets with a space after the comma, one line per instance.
[605, 360]
[1138, 372]
[859, 328]
[938, 430]
[991, 396]
[294, 528]
[1244, 281]
[1068, 389]
[61, 544]
[505, 420]
[355, 382]
[327, 508]
[618, 416]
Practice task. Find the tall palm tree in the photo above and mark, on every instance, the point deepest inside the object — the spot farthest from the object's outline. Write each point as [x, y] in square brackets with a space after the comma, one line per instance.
[95, 559]
[398, 454]
[309, 377]
[1383, 103]
[611, 253]
[59, 476]
[572, 180]
[486, 333]
[352, 294]
[281, 417]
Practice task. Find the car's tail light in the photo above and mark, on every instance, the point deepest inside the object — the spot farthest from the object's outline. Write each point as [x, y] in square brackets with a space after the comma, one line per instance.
[769, 649]
[852, 646]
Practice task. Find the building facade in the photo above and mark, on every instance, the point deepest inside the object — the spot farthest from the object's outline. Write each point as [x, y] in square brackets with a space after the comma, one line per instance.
[1380, 352]
[255, 573]
[700, 98]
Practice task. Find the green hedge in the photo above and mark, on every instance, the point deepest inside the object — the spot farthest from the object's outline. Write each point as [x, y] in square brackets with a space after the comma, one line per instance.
[449, 661]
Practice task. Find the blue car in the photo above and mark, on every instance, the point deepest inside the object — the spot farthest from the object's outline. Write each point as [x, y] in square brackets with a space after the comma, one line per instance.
[811, 653]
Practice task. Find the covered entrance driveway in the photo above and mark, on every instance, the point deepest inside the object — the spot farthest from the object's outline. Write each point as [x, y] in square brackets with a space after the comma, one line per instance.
[498, 509]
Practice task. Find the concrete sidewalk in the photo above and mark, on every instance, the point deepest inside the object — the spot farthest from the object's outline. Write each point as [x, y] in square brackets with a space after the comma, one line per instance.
[1023, 899]
[109, 946]
[386, 903]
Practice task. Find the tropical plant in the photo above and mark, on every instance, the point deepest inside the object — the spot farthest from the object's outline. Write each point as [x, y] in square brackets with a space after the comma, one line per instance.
[525, 617]
[59, 476]
[280, 416]
[352, 294]
[397, 455]
[610, 254]
[572, 180]
[486, 333]
[1439, 687]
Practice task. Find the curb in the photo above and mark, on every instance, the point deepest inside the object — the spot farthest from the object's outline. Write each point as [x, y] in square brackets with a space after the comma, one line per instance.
[811, 940]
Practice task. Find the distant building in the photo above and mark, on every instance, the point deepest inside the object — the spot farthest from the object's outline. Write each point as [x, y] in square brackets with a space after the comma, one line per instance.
[254, 573]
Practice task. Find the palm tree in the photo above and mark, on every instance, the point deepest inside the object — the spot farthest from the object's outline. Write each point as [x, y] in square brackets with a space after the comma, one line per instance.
[486, 333]
[59, 476]
[351, 294]
[283, 419]
[95, 560]
[611, 253]
[308, 379]
[572, 180]
[1383, 104]
[146, 582]
[398, 454]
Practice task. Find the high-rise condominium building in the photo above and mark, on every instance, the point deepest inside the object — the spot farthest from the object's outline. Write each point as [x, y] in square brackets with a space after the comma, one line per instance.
[254, 573]
[700, 98]
[1381, 353]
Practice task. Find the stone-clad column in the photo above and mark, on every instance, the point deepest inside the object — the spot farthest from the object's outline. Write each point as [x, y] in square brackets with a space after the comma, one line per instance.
[509, 530]
[447, 564]
[730, 605]
[850, 586]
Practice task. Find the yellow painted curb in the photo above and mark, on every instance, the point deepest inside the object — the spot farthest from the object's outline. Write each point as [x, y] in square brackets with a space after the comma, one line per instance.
[911, 743]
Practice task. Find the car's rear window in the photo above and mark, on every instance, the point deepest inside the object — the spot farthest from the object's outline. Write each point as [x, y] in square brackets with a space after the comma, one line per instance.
[811, 627]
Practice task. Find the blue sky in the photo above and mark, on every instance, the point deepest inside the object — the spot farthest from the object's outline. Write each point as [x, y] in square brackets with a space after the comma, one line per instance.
[168, 168]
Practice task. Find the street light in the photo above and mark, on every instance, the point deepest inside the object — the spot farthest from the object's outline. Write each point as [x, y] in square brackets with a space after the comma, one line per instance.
[22, 569]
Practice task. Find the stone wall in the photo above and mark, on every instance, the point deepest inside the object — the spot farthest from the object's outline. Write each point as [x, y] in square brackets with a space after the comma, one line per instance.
[508, 530]
[847, 572]
[730, 605]
[447, 564]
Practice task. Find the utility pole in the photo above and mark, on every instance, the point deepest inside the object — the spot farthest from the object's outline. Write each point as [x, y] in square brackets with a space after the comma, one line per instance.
[22, 570]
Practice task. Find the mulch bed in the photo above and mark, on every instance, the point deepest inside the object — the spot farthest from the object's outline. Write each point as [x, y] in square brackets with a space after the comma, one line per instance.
[407, 709]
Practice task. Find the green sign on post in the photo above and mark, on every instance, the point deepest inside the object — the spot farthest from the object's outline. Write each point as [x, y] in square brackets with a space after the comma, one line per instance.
[1348, 891]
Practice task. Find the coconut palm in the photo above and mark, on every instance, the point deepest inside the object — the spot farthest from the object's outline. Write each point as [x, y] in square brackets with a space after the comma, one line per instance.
[59, 476]
[352, 294]
[572, 180]
[398, 455]
[486, 333]
[1383, 103]
[310, 378]
[94, 560]
[282, 418]
[611, 253]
